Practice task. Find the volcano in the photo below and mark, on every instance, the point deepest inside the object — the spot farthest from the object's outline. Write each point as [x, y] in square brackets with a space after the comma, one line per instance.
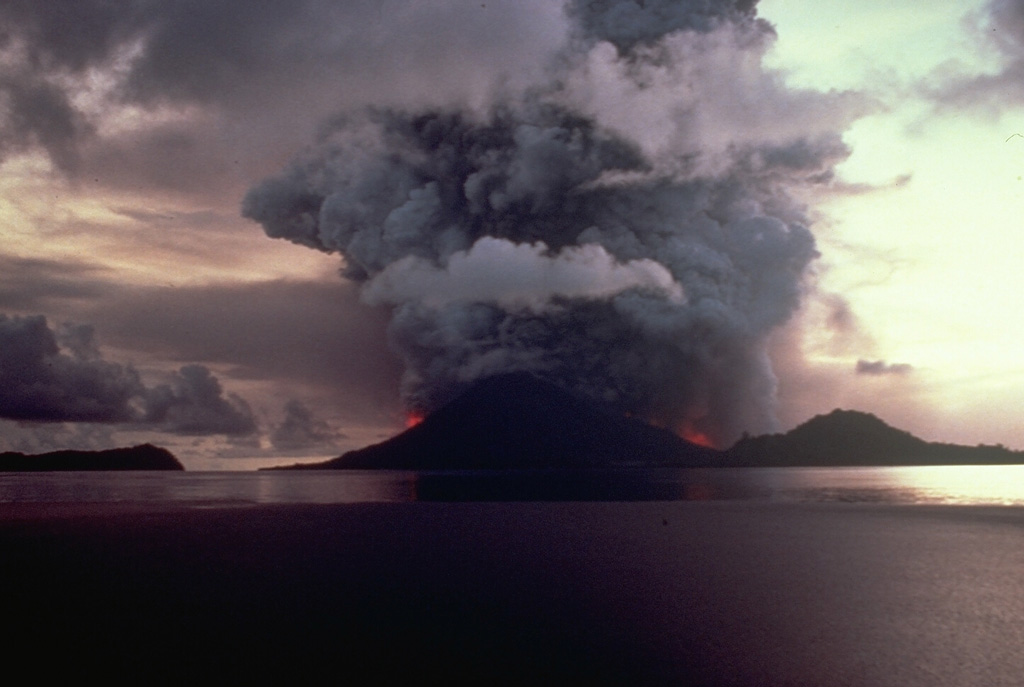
[518, 420]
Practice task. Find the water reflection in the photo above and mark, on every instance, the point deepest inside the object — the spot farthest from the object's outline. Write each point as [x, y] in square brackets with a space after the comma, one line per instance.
[1001, 485]
[950, 484]
[982, 485]
[206, 489]
[590, 485]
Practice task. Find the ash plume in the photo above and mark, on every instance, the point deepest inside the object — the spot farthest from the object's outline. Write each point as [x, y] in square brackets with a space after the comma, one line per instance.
[624, 229]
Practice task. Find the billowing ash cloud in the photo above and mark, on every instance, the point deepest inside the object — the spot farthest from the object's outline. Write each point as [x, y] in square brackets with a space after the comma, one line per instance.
[624, 229]
[626, 23]
[58, 375]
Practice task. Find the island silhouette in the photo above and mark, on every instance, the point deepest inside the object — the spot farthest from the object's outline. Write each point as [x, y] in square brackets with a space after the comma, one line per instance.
[855, 438]
[143, 457]
[520, 421]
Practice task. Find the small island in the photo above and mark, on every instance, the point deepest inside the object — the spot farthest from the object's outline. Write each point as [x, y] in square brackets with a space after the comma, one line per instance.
[143, 457]
[850, 438]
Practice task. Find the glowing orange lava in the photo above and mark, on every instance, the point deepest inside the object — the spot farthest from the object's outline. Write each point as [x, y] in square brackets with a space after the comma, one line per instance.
[412, 419]
[686, 429]
[695, 436]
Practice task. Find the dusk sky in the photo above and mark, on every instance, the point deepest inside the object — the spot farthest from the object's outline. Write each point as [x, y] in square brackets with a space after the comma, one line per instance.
[759, 211]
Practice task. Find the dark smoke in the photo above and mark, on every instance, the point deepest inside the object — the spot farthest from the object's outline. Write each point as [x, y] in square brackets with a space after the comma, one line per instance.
[626, 23]
[625, 230]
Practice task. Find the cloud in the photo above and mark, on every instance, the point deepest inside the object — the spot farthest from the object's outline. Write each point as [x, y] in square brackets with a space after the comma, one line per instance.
[194, 403]
[998, 30]
[59, 376]
[83, 79]
[39, 113]
[301, 429]
[42, 437]
[880, 368]
[310, 339]
[39, 382]
[39, 284]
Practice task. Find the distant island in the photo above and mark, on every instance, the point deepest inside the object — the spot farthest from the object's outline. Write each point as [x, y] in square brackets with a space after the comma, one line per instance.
[143, 457]
[518, 421]
[853, 438]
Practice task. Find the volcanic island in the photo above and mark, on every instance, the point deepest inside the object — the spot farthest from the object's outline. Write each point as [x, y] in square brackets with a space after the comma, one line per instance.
[520, 421]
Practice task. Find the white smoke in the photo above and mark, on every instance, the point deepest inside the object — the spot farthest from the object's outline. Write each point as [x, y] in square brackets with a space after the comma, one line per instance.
[517, 277]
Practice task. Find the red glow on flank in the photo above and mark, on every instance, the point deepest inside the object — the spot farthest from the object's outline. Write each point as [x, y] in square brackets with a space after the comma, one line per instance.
[412, 419]
[695, 436]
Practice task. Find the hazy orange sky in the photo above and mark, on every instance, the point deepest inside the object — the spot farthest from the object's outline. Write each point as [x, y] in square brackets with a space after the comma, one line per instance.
[130, 133]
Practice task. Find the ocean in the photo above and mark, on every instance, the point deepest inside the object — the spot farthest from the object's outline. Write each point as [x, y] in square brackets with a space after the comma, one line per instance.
[866, 577]
[959, 485]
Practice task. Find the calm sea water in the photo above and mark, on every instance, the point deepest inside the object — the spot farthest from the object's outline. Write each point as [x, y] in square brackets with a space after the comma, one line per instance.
[968, 485]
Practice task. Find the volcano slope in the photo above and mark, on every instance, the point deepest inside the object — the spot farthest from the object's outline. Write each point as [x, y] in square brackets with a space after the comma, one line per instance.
[517, 420]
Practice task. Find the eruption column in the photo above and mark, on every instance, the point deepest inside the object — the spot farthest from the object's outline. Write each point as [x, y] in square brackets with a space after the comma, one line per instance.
[624, 229]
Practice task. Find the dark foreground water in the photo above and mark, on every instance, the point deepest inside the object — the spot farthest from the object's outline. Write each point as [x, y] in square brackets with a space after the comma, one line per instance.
[964, 485]
[749, 578]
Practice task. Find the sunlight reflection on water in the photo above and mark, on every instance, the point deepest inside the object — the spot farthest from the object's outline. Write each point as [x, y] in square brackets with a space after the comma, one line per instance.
[948, 484]
[989, 484]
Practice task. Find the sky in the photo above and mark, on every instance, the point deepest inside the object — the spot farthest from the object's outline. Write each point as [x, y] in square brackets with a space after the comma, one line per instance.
[271, 230]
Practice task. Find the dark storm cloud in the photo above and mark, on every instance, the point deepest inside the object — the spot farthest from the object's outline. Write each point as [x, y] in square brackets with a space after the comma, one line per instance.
[39, 113]
[194, 403]
[69, 35]
[44, 43]
[69, 65]
[39, 381]
[429, 206]
[59, 375]
[207, 52]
